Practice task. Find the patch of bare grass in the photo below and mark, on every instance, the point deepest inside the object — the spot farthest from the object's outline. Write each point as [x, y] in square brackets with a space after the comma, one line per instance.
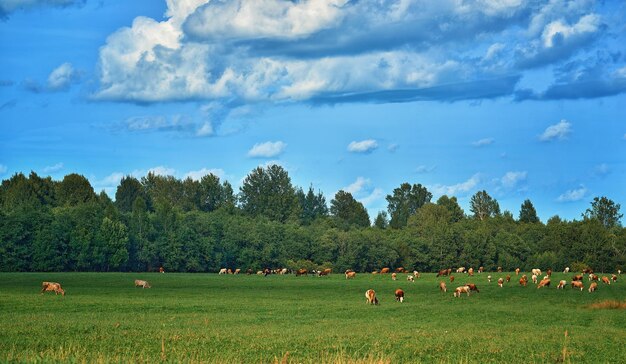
[609, 305]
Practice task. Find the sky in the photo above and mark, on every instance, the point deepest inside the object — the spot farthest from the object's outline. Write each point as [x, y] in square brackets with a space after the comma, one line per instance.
[525, 99]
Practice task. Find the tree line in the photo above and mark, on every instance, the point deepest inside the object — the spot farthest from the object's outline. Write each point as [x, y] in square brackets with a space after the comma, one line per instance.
[203, 225]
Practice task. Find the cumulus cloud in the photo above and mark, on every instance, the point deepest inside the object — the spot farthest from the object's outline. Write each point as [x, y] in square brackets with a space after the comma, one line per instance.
[162, 171]
[513, 178]
[573, 195]
[62, 77]
[9, 6]
[357, 186]
[374, 196]
[456, 189]
[53, 168]
[197, 175]
[425, 169]
[483, 142]
[267, 149]
[558, 131]
[363, 146]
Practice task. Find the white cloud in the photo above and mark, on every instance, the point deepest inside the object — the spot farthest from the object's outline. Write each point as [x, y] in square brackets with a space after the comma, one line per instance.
[558, 32]
[3, 169]
[483, 142]
[573, 195]
[459, 188]
[62, 77]
[197, 175]
[364, 146]
[357, 186]
[425, 169]
[393, 147]
[376, 195]
[267, 149]
[557, 131]
[205, 130]
[162, 171]
[53, 169]
[512, 179]
[9, 6]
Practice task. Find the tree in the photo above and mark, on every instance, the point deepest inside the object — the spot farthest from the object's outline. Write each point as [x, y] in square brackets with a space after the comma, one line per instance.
[348, 210]
[484, 206]
[268, 192]
[127, 192]
[527, 213]
[381, 220]
[452, 205]
[75, 189]
[405, 201]
[312, 205]
[604, 210]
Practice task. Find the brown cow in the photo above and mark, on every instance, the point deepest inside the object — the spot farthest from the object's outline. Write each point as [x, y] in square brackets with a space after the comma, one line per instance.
[470, 272]
[449, 270]
[606, 280]
[350, 275]
[499, 269]
[443, 272]
[142, 284]
[237, 271]
[472, 287]
[593, 287]
[500, 282]
[394, 276]
[481, 269]
[442, 286]
[459, 290]
[593, 277]
[578, 277]
[52, 287]
[400, 270]
[544, 283]
[302, 272]
[549, 272]
[399, 295]
[384, 270]
[508, 278]
[517, 270]
[523, 282]
[370, 297]
[614, 278]
[249, 271]
[561, 285]
[578, 284]
[451, 279]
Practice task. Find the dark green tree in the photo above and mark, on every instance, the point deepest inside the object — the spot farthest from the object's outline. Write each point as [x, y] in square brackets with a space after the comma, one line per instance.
[127, 192]
[268, 192]
[405, 201]
[484, 206]
[604, 210]
[348, 210]
[452, 205]
[527, 213]
[381, 221]
[312, 205]
[74, 189]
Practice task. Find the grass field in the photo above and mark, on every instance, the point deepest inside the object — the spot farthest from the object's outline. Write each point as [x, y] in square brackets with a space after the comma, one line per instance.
[256, 319]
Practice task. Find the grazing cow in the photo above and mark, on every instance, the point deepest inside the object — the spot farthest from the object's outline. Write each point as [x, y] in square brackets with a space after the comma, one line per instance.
[561, 284]
[473, 287]
[470, 272]
[410, 278]
[606, 280]
[499, 269]
[523, 282]
[229, 271]
[370, 296]
[449, 270]
[283, 271]
[593, 277]
[619, 272]
[536, 271]
[500, 282]
[587, 271]
[593, 287]
[416, 274]
[459, 290]
[142, 284]
[578, 277]
[302, 272]
[443, 272]
[237, 271]
[460, 270]
[566, 270]
[481, 269]
[544, 283]
[52, 287]
[260, 273]
[267, 272]
[578, 284]
[350, 275]
[489, 278]
[442, 286]
[399, 295]
[327, 271]
[517, 271]
[384, 271]
[223, 271]
[534, 278]
[451, 279]
[400, 270]
[161, 270]
[394, 276]
[508, 278]
[549, 272]
[614, 278]
[375, 272]
[524, 277]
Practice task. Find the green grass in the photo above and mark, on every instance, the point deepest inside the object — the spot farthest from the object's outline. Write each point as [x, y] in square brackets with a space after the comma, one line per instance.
[256, 319]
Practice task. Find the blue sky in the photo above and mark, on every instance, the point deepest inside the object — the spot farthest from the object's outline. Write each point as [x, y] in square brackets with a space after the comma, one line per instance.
[522, 98]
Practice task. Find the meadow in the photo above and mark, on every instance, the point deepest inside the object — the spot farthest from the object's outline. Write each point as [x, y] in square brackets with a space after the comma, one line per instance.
[256, 319]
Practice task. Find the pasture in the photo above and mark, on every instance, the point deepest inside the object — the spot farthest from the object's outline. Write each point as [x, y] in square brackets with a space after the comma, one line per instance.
[256, 319]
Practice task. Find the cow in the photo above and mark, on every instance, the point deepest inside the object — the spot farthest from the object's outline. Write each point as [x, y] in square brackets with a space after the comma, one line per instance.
[416, 274]
[399, 295]
[473, 287]
[459, 290]
[614, 278]
[587, 271]
[578, 277]
[451, 279]
[370, 296]
[544, 283]
[410, 278]
[523, 282]
[442, 287]
[350, 275]
[142, 284]
[524, 277]
[384, 271]
[481, 269]
[249, 271]
[549, 272]
[534, 278]
[489, 278]
[460, 270]
[229, 271]
[52, 287]
[302, 272]
[223, 271]
[443, 272]
[536, 271]
[499, 269]
[578, 284]
[508, 278]
[400, 270]
[593, 277]
[327, 271]
[500, 282]
[517, 270]
[283, 271]
[606, 280]
[470, 272]
[267, 272]
[161, 270]
[449, 270]
[593, 286]
[237, 271]
[394, 276]
[619, 272]
[375, 272]
[561, 285]
[566, 270]
[260, 273]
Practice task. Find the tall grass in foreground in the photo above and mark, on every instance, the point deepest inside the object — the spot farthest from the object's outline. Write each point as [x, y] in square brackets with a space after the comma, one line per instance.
[206, 318]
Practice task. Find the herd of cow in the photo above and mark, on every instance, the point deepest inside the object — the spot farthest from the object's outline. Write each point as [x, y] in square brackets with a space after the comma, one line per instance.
[370, 294]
